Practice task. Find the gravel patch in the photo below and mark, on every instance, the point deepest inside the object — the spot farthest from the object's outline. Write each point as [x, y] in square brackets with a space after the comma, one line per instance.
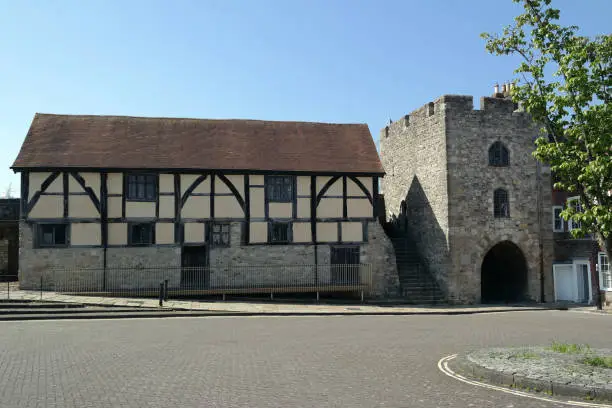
[544, 364]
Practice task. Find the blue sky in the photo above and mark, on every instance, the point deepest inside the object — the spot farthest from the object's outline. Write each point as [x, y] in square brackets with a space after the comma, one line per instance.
[316, 60]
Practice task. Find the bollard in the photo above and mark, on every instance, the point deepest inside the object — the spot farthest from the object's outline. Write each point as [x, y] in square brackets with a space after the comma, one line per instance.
[362, 296]
[8, 290]
[41, 282]
[317, 296]
[161, 294]
[166, 290]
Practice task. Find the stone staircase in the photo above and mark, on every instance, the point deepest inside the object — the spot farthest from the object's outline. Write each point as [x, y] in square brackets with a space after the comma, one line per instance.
[417, 285]
[20, 309]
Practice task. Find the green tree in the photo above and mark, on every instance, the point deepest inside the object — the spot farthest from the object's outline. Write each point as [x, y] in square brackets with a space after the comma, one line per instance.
[564, 81]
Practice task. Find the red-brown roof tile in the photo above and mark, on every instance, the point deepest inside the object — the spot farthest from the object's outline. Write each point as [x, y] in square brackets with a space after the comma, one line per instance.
[123, 142]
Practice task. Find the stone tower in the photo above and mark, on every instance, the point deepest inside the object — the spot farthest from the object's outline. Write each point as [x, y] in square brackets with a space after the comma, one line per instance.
[477, 204]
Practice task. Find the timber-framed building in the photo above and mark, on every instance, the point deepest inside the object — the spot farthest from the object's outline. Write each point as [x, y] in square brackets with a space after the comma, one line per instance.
[106, 192]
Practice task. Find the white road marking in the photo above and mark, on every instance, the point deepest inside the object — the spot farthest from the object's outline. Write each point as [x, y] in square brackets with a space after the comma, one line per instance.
[443, 366]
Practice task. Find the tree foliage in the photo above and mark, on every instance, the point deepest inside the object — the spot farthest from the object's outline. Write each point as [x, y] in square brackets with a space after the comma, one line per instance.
[564, 81]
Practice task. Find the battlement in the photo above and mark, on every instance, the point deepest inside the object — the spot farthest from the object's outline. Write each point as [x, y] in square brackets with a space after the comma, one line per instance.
[500, 103]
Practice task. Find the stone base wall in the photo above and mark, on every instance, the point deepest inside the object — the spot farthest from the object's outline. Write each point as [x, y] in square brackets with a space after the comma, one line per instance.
[56, 266]
[82, 269]
[247, 265]
[143, 268]
[379, 253]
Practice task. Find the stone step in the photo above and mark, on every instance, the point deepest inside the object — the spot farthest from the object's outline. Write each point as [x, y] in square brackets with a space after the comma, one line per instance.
[84, 310]
[417, 280]
[36, 305]
[427, 295]
[420, 286]
[143, 313]
[421, 289]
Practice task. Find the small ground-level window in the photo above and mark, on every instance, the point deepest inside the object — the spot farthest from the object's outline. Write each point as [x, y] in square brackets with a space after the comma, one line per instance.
[279, 232]
[501, 204]
[52, 235]
[220, 234]
[557, 220]
[141, 233]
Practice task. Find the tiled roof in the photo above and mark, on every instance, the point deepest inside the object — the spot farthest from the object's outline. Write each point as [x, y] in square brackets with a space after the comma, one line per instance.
[123, 142]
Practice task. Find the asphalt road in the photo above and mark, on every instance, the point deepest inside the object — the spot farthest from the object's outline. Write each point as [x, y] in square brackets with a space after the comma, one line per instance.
[350, 361]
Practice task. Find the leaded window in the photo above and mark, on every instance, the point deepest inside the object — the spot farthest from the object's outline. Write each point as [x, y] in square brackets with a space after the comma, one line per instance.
[501, 204]
[141, 233]
[141, 187]
[221, 234]
[279, 232]
[279, 189]
[499, 155]
[52, 235]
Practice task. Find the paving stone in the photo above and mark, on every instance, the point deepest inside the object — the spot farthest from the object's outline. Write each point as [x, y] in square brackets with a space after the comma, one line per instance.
[382, 361]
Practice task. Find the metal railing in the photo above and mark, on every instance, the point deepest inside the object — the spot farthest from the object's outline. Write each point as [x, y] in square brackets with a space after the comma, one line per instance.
[176, 282]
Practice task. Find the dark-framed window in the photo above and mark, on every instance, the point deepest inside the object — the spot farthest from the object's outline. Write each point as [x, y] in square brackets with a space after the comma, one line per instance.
[558, 225]
[499, 155]
[52, 235]
[574, 203]
[141, 233]
[141, 187]
[501, 204]
[279, 232]
[279, 189]
[220, 234]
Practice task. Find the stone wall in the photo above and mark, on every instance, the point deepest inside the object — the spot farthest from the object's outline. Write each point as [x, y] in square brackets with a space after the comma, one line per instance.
[413, 153]
[436, 159]
[57, 267]
[81, 269]
[379, 253]
[261, 265]
[143, 268]
[9, 248]
[4, 255]
[471, 183]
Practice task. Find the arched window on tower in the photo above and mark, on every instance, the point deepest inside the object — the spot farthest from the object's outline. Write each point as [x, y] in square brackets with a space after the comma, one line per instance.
[501, 204]
[499, 155]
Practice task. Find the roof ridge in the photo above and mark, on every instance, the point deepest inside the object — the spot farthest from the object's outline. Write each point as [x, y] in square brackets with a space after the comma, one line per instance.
[68, 115]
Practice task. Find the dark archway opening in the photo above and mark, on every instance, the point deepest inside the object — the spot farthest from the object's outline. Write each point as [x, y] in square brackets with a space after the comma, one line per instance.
[503, 274]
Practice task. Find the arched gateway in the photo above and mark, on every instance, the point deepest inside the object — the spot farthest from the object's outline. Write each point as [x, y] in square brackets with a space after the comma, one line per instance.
[503, 274]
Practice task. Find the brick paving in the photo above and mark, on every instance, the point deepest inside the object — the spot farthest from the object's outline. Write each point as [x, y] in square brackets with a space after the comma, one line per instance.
[348, 361]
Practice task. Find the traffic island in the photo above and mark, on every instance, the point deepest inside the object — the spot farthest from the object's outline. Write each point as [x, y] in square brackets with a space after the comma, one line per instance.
[561, 369]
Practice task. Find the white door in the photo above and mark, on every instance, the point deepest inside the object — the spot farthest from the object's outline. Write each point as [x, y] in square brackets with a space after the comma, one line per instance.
[565, 283]
[573, 282]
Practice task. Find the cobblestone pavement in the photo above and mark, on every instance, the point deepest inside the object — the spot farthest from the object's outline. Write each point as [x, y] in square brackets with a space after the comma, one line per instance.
[350, 361]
